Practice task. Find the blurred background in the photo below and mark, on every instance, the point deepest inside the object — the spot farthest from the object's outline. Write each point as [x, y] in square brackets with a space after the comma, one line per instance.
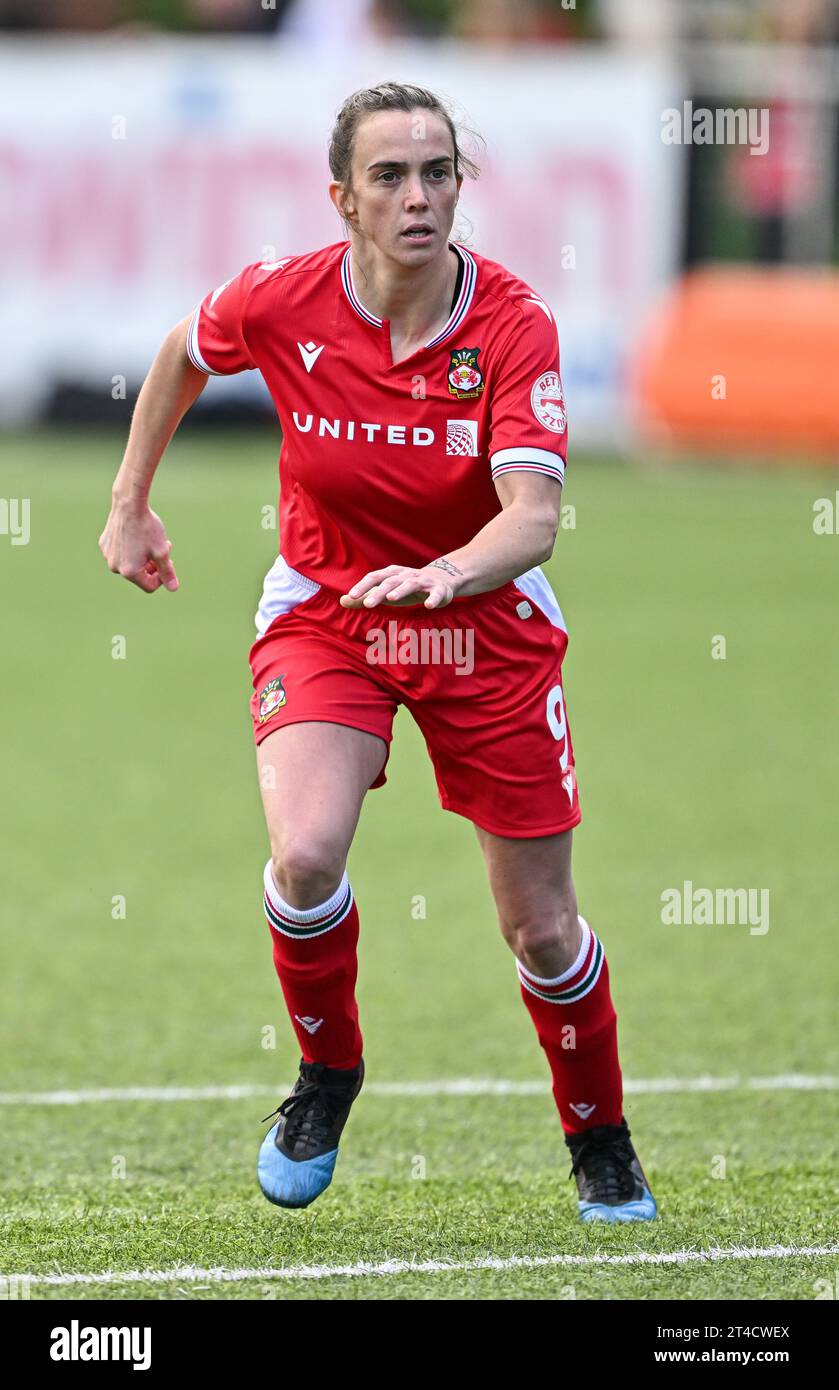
[150, 148]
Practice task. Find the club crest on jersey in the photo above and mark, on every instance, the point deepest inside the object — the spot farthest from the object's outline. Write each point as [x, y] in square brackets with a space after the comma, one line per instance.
[548, 402]
[465, 377]
[271, 699]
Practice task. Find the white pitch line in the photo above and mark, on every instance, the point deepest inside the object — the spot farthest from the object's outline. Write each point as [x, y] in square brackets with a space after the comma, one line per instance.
[462, 1086]
[219, 1274]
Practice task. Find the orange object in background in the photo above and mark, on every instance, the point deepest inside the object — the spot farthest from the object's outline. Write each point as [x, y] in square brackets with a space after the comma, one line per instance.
[744, 359]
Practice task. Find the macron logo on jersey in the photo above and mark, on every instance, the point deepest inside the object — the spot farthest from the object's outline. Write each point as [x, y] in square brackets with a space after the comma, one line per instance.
[534, 299]
[219, 291]
[310, 352]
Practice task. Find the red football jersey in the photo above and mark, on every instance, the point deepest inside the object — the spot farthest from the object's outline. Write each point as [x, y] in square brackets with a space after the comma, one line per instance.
[387, 463]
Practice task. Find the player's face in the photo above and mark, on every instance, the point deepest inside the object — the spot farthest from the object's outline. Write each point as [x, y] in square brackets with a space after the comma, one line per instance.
[403, 176]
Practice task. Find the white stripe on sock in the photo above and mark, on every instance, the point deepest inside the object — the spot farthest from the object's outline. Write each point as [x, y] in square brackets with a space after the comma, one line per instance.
[304, 914]
[572, 969]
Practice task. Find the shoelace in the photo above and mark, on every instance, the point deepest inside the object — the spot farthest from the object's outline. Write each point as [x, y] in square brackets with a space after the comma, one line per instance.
[606, 1159]
[308, 1114]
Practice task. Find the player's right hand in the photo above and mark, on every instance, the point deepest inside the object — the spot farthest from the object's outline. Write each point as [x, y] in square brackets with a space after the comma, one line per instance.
[135, 545]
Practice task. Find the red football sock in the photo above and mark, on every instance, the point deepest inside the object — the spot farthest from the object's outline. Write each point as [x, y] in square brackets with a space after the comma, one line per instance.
[577, 1027]
[315, 959]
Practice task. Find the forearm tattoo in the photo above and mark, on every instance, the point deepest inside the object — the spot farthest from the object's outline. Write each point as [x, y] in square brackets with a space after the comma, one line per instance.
[446, 565]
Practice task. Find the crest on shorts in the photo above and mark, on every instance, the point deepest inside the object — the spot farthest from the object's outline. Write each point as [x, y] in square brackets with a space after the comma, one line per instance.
[465, 377]
[272, 698]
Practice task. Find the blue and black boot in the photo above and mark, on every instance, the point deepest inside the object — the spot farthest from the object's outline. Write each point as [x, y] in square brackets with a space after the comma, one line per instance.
[298, 1154]
[611, 1183]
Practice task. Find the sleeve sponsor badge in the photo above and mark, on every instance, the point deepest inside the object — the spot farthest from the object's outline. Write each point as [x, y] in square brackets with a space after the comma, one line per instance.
[548, 402]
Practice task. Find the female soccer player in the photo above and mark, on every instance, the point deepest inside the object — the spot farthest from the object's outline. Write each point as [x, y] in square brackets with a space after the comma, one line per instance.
[424, 431]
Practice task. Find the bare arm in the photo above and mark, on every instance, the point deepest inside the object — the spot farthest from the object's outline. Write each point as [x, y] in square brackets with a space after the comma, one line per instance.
[520, 536]
[134, 540]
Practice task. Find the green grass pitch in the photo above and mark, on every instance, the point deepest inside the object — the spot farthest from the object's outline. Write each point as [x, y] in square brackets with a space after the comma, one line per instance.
[135, 778]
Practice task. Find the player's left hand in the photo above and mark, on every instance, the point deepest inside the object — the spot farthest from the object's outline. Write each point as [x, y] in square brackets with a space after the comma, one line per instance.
[399, 585]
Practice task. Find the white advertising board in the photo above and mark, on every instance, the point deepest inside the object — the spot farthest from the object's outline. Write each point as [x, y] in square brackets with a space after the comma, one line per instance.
[138, 172]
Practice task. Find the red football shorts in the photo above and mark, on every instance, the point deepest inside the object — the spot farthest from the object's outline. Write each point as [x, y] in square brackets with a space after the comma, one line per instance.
[481, 677]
